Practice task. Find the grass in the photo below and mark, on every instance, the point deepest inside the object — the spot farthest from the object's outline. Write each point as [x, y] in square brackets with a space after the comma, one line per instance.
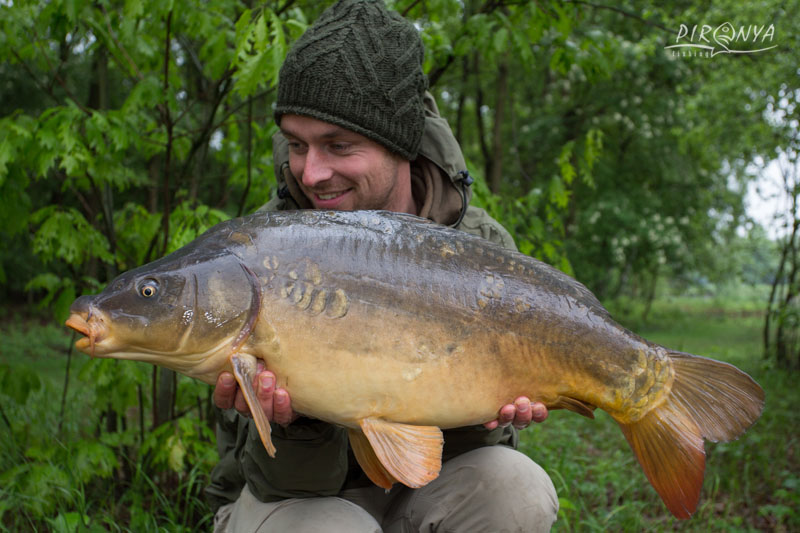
[750, 484]
[86, 479]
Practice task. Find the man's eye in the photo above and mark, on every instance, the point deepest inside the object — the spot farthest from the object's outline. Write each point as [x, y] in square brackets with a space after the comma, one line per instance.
[296, 147]
[340, 147]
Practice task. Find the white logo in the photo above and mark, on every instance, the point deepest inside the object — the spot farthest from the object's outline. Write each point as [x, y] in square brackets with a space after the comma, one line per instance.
[726, 40]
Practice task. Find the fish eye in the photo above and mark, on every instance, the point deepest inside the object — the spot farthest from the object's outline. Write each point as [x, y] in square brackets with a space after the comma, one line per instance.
[149, 289]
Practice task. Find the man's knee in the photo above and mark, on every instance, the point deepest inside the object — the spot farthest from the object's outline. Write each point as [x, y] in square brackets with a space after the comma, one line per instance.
[494, 489]
[312, 515]
[517, 488]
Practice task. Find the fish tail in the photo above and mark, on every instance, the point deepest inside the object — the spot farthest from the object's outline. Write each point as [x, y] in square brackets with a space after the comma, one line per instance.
[708, 400]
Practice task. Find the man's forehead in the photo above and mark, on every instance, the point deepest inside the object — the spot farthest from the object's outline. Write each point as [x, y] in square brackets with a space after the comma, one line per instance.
[302, 127]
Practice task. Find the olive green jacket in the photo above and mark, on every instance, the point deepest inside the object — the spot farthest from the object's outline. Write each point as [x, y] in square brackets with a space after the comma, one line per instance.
[313, 457]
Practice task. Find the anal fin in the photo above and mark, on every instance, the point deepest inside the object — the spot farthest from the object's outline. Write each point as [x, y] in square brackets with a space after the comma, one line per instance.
[410, 454]
[574, 405]
[245, 367]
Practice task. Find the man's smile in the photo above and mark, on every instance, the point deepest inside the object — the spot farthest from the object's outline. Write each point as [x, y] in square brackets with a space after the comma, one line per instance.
[330, 199]
[330, 195]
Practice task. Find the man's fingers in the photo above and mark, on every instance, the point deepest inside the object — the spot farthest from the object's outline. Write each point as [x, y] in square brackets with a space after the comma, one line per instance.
[225, 391]
[506, 416]
[275, 403]
[539, 411]
[266, 391]
[240, 404]
[523, 413]
[282, 412]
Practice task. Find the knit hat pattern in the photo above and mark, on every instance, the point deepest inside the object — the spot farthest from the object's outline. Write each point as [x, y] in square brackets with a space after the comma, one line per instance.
[359, 66]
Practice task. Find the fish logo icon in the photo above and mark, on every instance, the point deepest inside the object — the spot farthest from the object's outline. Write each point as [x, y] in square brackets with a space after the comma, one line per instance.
[723, 35]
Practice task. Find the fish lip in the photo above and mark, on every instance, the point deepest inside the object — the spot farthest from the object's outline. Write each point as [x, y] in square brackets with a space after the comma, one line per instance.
[78, 323]
[90, 327]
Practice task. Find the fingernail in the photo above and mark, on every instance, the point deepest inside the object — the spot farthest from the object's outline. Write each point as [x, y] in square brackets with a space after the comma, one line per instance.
[280, 397]
[522, 407]
[266, 382]
[226, 380]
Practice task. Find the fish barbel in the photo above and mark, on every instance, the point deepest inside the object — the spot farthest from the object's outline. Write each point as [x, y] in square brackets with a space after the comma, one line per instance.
[395, 327]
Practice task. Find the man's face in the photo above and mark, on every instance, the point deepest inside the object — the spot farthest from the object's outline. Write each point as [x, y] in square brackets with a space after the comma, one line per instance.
[340, 169]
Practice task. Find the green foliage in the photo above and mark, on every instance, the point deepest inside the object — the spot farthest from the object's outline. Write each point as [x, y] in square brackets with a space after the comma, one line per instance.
[18, 384]
[66, 235]
[660, 143]
[190, 223]
[91, 465]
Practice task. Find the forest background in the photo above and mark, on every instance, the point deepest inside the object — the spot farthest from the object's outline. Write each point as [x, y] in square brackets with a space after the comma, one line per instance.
[604, 143]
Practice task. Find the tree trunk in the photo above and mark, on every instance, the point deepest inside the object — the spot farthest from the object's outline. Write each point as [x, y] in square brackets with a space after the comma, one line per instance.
[782, 306]
[487, 156]
[501, 92]
[164, 386]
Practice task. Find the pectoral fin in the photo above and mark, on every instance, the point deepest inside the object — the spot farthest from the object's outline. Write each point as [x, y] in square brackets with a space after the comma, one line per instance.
[369, 462]
[245, 367]
[411, 455]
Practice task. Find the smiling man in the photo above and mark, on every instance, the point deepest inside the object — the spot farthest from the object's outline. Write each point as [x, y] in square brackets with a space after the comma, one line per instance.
[341, 169]
[359, 131]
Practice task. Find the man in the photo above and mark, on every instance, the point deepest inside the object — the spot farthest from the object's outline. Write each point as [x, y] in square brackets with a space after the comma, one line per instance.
[358, 131]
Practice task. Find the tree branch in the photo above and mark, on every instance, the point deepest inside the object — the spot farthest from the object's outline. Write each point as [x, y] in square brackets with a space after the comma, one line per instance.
[622, 12]
[410, 7]
[167, 119]
[121, 48]
[249, 156]
[58, 78]
[437, 73]
[285, 6]
[223, 87]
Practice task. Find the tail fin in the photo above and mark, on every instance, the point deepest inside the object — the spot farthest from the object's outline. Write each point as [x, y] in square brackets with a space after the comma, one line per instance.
[709, 400]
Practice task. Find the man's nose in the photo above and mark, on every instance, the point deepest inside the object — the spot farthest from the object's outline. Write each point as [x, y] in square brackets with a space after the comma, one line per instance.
[317, 168]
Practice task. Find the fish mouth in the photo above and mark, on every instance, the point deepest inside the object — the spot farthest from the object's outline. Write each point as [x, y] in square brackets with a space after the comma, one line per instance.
[91, 328]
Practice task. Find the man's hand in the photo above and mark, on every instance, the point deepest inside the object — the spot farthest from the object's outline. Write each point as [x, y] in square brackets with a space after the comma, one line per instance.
[521, 413]
[276, 403]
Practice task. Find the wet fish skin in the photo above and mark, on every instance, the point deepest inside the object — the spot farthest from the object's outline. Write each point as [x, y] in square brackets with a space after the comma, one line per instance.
[395, 327]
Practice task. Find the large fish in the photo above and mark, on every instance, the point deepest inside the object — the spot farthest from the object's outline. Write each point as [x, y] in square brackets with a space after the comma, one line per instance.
[395, 327]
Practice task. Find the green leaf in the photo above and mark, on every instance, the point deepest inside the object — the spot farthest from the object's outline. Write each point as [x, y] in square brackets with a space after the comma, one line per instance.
[63, 303]
[93, 459]
[568, 172]
[68, 522]
[177, 453]
[133, 8]
[557, 193]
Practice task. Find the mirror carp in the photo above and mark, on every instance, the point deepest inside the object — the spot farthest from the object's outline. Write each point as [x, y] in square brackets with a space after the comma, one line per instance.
[395, 328]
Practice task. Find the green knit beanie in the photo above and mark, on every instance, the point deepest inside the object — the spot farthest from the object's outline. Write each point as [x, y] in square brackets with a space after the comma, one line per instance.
[359, 66]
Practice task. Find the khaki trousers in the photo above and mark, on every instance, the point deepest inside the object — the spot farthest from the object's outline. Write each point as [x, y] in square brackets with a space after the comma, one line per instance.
[492, 489]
